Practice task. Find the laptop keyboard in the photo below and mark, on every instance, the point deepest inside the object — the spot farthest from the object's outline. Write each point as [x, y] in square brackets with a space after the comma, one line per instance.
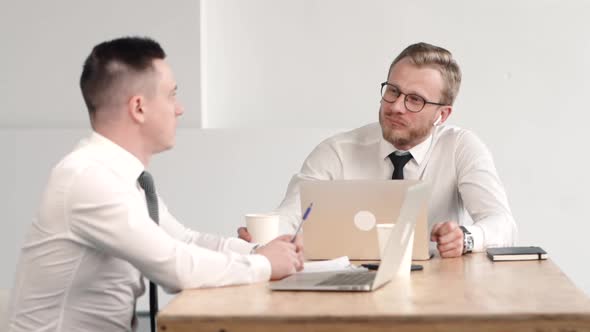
[356, 278]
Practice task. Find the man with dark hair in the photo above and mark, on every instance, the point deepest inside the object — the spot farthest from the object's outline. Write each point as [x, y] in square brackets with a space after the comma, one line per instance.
[468, 209]
[101, 225]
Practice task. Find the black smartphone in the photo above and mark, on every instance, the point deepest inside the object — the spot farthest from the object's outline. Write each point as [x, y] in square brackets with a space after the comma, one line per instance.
[415, 267]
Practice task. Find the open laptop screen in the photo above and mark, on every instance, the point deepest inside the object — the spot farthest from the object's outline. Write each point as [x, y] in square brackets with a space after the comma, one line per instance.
[345, 213]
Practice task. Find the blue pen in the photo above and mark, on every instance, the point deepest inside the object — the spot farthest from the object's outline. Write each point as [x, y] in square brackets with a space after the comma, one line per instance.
[302, 220]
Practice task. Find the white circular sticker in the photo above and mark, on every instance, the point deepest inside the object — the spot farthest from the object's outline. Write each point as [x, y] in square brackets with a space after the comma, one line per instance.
[364, 220]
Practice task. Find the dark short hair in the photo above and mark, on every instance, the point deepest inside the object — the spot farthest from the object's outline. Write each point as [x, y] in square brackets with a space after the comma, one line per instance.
[111, 61]
[424, 54]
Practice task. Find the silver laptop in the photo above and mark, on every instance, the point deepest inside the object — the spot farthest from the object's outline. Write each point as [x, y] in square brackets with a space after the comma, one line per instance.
[415, 199]
[353, 207]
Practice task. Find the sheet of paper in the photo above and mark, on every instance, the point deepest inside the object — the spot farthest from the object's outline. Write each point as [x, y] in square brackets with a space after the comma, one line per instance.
[336, 264]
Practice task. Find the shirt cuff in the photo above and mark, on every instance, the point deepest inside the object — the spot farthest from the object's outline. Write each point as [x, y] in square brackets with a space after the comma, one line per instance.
[240, 246]
[477, 233]
[261, 267]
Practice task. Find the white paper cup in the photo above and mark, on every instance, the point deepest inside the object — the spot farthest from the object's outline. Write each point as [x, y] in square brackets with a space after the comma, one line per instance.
[383, 233]
[262, 227]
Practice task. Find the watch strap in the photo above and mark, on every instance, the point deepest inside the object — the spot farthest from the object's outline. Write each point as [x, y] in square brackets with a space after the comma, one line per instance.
[467, 240]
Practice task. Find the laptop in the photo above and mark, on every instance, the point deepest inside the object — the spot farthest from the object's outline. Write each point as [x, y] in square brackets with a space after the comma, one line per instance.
[350, 209]
[391, 263]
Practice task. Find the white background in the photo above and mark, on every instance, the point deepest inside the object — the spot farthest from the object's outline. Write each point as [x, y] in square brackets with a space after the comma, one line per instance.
[264, 81]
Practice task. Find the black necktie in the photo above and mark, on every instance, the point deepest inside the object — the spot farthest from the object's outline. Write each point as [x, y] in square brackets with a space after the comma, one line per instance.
[147, 183]
[399, 161]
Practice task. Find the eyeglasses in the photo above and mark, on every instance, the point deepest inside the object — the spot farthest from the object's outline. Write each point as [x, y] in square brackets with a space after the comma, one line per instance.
[414, 103]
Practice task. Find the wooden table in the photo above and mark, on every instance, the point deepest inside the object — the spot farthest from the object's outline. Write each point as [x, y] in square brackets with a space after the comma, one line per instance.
[469, 293]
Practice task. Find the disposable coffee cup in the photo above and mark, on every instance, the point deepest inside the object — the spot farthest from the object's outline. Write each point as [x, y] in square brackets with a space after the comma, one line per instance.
[262, 227]
[383, 233]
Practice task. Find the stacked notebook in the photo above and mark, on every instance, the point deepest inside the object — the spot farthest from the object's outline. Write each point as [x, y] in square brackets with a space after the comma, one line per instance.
[516, 253]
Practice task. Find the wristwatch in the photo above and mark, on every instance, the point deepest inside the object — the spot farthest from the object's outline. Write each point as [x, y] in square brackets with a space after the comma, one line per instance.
[467, 240]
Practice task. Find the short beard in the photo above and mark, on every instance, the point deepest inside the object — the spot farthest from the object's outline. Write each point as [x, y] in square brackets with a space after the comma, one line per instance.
[399, 140]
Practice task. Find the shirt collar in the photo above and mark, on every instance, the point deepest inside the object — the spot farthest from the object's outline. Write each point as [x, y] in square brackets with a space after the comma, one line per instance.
[115, 157]
[418, 152]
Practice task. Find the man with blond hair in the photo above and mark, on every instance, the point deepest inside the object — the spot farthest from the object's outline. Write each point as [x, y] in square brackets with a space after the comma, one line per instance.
[469, 209]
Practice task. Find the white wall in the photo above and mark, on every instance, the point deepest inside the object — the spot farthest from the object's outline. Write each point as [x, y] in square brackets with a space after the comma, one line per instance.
[302, 65]
[4, 295]
[45, 43]
[311, 63]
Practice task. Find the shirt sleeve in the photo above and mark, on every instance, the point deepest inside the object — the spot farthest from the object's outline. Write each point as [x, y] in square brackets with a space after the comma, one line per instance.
[112, 218]
[483, 195]
[186, 235]
[322, 163]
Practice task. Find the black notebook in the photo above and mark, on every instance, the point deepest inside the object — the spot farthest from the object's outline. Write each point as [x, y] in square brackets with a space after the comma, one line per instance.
[516, 253]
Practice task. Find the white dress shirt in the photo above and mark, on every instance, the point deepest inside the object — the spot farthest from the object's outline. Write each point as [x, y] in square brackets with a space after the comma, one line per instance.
[82, 262]
[465, 185]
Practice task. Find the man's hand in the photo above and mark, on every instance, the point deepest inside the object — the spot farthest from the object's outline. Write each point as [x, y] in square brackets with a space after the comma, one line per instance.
[449, 238]
[244, 235]
[299, 246]
[283, 256]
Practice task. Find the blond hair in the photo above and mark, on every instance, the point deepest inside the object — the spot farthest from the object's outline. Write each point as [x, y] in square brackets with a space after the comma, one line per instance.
[423, 54]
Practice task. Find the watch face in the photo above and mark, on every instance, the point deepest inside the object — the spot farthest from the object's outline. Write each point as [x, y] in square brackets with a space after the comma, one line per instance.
[469, 243]
[467, 240]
